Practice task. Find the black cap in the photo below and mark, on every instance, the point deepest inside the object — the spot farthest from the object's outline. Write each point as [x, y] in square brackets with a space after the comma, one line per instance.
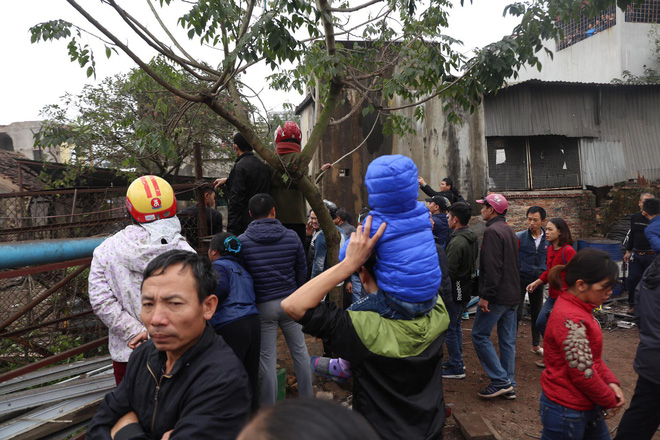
[441, 201]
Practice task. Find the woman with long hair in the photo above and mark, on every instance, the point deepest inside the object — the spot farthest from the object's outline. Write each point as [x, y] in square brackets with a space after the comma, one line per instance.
[577, 385]
[560, 252]
[236, 318]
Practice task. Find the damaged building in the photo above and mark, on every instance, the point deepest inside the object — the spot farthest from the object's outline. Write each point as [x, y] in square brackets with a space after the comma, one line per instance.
[559, 138]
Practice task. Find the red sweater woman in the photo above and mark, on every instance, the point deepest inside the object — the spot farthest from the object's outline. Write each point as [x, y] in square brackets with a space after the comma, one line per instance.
[560, 252]
[577, 385]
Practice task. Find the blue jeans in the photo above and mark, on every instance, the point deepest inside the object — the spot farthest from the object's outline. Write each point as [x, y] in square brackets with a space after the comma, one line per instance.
[542, 320]
[358, 293]
[562, 423]
[454, 335]
[389, 307]
[499, 370]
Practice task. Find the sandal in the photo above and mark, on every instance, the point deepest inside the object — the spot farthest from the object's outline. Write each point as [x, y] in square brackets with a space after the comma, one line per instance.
[330, 368]
[539, 351]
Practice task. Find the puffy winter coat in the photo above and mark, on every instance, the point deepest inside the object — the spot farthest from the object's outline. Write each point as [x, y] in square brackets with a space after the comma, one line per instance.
[576, 378]
[406, 260]
[115, 277]
[275, 258]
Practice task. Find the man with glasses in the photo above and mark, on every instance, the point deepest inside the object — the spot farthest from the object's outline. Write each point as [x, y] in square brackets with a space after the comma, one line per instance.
[532, 257]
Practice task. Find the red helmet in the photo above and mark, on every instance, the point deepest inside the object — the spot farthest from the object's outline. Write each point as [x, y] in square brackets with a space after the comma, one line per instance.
[291, 131]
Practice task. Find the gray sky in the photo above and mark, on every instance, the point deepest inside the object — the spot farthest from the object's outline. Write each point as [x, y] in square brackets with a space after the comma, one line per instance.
[34, 75]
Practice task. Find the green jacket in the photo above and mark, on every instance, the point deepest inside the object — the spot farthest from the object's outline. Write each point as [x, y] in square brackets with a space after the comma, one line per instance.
[289, 201]
[462, 251]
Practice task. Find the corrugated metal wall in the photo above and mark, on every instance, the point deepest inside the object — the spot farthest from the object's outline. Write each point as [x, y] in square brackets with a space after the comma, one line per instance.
[619, 126]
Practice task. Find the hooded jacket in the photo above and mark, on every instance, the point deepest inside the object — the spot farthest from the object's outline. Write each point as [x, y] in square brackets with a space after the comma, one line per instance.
[289, 201]
[462, 251]
[406, 259]
[397, 366]
[275, 258]
[647, 361]
[205, 395]
[652, 233]
[115, 277]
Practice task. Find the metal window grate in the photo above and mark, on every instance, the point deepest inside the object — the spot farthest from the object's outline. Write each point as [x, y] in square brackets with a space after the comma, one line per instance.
[576, 31]
[647, 12]
[507, 163]
[537, 162]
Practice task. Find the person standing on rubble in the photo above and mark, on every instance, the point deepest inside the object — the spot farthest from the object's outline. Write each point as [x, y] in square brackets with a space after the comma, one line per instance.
[115, 275]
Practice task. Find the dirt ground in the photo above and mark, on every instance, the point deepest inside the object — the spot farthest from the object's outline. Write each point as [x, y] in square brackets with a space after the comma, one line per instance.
[516, 419]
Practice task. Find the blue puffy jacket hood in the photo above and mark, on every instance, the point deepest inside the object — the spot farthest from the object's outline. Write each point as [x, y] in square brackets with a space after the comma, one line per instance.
[406, 258]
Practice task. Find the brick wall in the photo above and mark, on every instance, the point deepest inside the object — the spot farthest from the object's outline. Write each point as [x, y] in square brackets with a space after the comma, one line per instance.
[576, 207]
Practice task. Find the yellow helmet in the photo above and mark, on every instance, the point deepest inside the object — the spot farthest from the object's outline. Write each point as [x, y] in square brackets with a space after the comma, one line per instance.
[150, 198]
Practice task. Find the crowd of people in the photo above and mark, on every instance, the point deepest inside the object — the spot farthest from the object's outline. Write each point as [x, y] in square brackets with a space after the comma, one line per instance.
[193, 338]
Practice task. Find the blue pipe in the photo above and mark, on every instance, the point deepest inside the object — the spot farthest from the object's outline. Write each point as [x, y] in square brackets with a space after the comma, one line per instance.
[33, 253]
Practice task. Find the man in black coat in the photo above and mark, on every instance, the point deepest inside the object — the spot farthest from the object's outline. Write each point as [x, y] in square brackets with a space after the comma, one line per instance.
[642, 419]
[185, 381]
[248, 177]
[639, 254]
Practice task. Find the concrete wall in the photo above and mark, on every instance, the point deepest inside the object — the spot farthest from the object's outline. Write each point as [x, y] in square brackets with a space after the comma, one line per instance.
[597, 59]
[439, 150]
[22, 136]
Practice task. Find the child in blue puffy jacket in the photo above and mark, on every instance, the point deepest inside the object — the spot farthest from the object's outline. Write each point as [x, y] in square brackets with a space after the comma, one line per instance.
[406, 265]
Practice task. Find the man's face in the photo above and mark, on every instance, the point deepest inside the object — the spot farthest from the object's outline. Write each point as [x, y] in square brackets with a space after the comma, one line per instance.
[171, 310]
[444, 187]
[487, 212]
[452, 221]
[313, 220]
[209, 199]
[433, 207]
[642, 200]
[534, 222]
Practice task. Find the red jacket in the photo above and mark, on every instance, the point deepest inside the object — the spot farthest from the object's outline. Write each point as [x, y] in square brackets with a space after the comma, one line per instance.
[582, 383]
[560, 256]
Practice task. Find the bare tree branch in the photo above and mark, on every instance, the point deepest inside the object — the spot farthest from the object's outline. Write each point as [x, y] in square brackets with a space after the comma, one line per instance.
[144, 66]
[169, 34]
[160, 47]
[356, 8]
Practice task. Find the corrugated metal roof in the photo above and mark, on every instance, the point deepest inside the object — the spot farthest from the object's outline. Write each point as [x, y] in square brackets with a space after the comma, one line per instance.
[611, 115]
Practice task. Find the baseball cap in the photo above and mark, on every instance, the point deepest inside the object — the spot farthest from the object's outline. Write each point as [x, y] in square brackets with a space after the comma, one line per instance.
[441, 201]
[497, 201]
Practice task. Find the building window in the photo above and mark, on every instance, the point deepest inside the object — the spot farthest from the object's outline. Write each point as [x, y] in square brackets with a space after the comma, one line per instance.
[535, 162]
[576, 31]
[647, 12]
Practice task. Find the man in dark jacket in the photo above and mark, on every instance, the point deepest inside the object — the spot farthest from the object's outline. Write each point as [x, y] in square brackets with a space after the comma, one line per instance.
[184, 382]
[397, 364]
[642, 419]
[438, 205]
[499, 289]
[275, 258]
[533, 253]
[639, 254]
[447, 190]
[248, 177]
[462, 251]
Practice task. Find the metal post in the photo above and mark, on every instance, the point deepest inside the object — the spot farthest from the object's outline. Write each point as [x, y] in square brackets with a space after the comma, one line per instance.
[199, 192]
[73, 208]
